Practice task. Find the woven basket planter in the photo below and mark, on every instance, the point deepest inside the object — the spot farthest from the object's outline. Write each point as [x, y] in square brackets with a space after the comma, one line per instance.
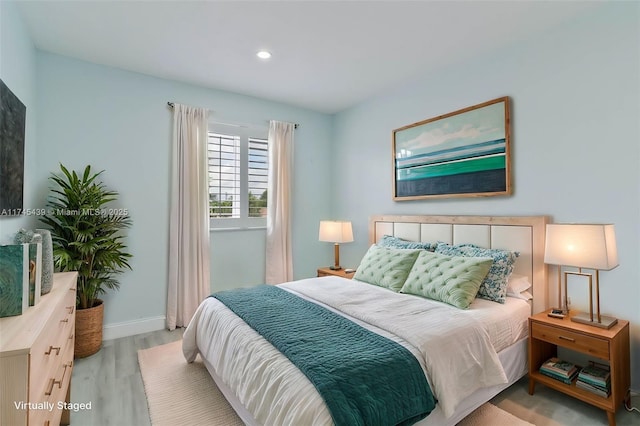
[89, 330]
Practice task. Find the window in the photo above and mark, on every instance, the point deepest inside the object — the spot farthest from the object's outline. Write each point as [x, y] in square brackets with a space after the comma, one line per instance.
[238, 174]
[258, 177]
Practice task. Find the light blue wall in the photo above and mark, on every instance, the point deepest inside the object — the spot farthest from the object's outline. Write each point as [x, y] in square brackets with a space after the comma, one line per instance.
[119, 121]
[576, 150]
[575, 136]
[18, 71]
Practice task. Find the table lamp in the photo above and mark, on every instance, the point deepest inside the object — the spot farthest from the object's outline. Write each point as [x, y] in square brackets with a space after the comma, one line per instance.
[588, 246]
[336, 232]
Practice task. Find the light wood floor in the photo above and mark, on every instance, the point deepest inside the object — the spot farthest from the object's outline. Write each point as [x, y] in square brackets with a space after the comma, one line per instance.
[111, 381]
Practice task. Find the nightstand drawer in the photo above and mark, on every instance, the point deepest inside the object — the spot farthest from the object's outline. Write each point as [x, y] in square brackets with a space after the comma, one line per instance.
[574, 341]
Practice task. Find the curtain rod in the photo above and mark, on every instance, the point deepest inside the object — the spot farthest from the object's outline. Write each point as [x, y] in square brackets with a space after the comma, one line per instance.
[171, 104]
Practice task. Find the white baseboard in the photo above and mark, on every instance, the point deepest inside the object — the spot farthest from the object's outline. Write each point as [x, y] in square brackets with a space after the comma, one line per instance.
[131, 328]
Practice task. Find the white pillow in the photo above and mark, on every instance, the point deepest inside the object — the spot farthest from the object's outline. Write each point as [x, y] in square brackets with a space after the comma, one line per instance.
[517, 284]
[525, 295]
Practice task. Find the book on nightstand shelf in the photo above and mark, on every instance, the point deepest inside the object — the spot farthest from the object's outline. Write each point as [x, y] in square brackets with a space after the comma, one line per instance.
[595, 378]
[593, 389]
[559, 370]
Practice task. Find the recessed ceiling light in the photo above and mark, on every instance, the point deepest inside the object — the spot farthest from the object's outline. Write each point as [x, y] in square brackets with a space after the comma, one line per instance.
[263, 54]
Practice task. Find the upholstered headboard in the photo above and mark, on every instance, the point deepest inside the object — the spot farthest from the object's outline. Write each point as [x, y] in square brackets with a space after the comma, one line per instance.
[524, 234]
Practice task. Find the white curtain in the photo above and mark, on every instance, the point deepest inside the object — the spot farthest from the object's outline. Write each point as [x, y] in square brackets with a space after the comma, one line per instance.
[278, 258]
[189, 219]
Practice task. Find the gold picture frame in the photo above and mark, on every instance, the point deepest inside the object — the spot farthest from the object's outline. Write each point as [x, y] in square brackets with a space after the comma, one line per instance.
[465, 153]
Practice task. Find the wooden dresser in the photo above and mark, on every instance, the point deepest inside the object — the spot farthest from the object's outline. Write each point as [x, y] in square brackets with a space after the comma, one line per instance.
[36, 358]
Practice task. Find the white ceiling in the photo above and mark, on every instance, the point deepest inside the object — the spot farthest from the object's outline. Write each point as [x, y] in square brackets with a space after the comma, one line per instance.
[327, 55]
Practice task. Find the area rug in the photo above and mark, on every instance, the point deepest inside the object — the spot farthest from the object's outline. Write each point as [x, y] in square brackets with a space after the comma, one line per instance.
[179, 393]
[185, 394]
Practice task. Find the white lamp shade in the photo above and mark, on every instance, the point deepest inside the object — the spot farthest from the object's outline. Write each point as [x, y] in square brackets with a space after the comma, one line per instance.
[588, 246]
[334, 231]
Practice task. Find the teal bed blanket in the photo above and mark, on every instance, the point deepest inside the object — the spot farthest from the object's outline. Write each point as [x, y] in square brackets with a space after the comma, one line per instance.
[364, 378]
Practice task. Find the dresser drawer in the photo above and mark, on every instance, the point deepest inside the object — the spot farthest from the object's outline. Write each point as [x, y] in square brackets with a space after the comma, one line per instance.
[571, 340]
[49, 367]
[48, 352]
[55, 394]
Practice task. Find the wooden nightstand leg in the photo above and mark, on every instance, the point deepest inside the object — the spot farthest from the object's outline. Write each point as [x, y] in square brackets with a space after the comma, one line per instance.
[532, 386]
[611, 416]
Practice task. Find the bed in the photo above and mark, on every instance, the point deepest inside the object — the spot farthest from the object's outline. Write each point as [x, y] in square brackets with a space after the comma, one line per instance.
[264, 387]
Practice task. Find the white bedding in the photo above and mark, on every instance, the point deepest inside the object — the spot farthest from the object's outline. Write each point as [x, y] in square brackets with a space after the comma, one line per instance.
[444, 339]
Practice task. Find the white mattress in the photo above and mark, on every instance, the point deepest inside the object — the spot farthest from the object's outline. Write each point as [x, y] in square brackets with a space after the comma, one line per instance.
[274, 391]
[506, 323]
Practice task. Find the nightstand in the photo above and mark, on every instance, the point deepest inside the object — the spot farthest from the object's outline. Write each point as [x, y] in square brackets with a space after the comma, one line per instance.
[323, 272]
[546, 334]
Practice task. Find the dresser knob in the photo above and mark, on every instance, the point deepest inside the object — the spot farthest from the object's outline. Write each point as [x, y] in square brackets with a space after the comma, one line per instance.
[64, 373]
[65, 320]
[52, 383]
[51, 348]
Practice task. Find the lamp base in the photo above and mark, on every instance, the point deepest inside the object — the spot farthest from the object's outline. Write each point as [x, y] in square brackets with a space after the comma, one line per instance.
[335, 268]
[605, 322]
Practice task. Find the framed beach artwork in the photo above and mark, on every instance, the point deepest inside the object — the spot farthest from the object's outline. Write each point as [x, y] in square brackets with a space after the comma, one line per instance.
[465, 153]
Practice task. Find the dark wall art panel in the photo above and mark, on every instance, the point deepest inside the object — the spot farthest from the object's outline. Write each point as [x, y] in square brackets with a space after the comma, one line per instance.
[12, 127]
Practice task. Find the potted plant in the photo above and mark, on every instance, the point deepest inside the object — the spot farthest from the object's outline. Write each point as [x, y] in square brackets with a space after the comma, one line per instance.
[87, 237]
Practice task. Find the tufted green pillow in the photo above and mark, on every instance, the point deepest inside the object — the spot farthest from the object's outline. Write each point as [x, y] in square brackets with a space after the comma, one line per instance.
[452, 280]
[386, 267]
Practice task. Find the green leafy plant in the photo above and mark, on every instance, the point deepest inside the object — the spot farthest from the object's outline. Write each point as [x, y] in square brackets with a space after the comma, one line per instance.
[87, 234]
